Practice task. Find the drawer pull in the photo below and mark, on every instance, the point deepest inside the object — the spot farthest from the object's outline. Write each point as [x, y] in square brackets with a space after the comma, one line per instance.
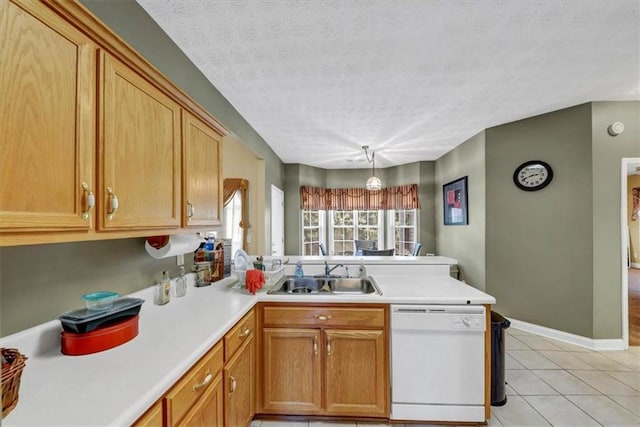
[245, 333]
[204, 383]
[322, 316]
[233, 384]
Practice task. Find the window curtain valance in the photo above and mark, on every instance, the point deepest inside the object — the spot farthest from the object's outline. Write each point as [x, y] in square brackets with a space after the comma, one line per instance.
[346, 199]
[230, 186]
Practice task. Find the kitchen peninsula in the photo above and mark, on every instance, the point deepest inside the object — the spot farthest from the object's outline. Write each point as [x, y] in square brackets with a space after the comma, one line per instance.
[117, 386]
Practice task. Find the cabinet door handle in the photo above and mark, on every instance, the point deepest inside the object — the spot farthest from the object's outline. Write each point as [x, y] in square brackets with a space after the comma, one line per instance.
[322, 317]
[232, 384]
[315, 346]
[204, 383]
[190, 210]
[114, 204]
[328, 346]
[89, 200]
[245, 333]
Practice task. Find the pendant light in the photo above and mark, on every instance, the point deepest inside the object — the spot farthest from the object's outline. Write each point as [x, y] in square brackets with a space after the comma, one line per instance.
[373, 183]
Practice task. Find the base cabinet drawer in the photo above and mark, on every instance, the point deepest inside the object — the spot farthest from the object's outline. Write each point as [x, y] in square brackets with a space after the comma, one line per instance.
[208, 410]
[324, 316]
[194, 386]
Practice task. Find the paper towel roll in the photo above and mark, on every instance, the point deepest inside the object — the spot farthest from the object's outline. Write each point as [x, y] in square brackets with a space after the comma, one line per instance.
[178, 244]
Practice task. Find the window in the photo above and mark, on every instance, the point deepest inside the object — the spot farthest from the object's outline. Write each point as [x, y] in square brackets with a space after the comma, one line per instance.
[232, 216]
[342, 232]
[403, 224]
[312, 231]
[347, 226]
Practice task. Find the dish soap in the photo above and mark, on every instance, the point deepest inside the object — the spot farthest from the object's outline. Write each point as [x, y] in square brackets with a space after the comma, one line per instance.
[299, 271]
[163, 289]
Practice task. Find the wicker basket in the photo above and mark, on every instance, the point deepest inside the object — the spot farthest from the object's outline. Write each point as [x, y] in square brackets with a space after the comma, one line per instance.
[12, 366]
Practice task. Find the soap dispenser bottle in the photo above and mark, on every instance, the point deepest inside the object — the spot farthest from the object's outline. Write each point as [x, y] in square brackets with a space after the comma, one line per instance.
[299, 271]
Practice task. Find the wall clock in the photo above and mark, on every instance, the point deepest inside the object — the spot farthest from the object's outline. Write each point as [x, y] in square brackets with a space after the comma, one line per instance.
[533, 175]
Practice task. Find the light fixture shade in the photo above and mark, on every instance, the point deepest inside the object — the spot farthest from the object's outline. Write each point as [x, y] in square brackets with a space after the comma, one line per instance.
[374, 184]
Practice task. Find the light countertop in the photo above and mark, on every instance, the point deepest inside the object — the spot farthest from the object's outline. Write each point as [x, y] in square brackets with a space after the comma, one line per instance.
[116, 386]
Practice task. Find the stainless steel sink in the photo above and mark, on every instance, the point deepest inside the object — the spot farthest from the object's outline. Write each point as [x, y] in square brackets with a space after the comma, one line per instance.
[354, 286]
[326, 285]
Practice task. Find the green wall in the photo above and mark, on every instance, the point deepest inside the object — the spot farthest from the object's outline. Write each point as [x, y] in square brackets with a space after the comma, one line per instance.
[539, 244]
[466, 243]
[607, 152]
[40, 282]
[296, 175]
[554, 256]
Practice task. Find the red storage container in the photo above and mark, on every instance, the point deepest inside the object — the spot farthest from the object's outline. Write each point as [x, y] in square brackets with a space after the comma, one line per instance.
[100, 339]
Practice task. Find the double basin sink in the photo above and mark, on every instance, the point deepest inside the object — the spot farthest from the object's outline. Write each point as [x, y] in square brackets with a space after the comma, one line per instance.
[326, 285]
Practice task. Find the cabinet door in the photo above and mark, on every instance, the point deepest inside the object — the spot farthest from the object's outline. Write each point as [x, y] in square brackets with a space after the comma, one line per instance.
[139, 152]
[239, 386]
[208, 411]
[47, 111]
[292, 371]
[202, 173]
[356, 373]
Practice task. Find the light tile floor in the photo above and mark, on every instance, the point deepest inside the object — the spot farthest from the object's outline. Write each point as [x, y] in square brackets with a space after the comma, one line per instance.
[552, 383]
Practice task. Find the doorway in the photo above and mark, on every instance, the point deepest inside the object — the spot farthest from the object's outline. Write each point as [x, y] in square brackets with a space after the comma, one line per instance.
[631, 254]
[277, 221]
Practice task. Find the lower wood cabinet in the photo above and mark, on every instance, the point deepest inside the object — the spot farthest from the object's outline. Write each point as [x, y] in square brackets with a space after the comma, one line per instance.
[325, 360]
[151, 418]
[292, 375]
[208, 410]
[239, 374]
[197, 395]
[355, 372]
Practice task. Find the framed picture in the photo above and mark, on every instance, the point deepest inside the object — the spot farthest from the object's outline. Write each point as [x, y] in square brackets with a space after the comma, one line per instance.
[454, 196]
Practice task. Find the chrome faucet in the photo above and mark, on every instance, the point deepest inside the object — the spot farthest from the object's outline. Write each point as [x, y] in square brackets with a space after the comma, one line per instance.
[327, 270]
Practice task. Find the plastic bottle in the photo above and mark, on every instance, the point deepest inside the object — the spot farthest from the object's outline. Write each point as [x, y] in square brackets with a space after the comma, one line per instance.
[209, 247]
[180, 285]
[163, 289]
[299, 271]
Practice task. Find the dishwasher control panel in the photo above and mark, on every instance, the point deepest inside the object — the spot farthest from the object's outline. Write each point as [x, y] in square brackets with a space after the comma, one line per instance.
[467, 322]
[438, 317]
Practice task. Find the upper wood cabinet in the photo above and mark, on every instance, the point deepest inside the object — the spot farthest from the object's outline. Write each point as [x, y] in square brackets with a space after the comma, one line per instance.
[139, 152]
[202, 173]
[96, 142]
[47, 111]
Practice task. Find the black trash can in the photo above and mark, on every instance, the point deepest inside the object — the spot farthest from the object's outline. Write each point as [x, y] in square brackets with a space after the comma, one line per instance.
[498, 325]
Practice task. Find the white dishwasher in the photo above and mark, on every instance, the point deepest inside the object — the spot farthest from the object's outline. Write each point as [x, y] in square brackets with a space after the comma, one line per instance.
[437, 362]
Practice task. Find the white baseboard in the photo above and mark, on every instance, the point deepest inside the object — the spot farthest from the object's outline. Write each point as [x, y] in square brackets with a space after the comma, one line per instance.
[635, 265]
[590, 343]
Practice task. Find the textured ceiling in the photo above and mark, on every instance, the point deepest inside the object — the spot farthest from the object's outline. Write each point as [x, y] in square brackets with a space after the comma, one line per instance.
[412, 79]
